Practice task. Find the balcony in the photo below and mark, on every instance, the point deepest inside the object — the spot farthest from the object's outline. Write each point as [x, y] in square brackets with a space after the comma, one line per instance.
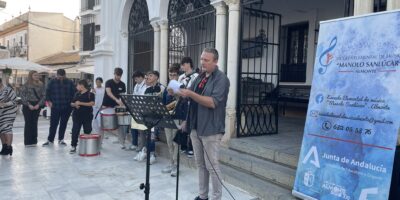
[18, 51]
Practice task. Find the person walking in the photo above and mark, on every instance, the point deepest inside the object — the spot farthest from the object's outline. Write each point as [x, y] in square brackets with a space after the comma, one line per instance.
[8, 113]
[208, 96]
[59, 94]
[82, 112]
[33, 98]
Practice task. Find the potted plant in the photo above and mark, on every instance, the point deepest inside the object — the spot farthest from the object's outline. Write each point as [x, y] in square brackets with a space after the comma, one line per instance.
[7, 71]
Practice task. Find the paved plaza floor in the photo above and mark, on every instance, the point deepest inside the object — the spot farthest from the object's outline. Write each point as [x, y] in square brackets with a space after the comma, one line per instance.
[52, 173]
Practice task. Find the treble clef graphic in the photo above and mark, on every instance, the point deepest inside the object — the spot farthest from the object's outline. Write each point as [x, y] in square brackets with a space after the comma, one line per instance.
[328, 58]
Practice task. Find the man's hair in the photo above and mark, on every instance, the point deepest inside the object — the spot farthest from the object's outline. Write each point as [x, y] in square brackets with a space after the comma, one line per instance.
[118, 71]
[154, 72]
[187, 60]
[174, 68]
[137, 74]
[213, 51]
[61, 72]
[99, 79]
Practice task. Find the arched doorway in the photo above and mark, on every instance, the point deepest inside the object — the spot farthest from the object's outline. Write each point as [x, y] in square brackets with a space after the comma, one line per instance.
[191, 29]
[141, 38]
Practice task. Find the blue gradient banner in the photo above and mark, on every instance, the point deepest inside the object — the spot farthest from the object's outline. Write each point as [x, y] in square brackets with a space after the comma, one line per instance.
[353, 116]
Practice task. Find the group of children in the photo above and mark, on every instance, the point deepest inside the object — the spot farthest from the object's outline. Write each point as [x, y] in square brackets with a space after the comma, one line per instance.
[86, 105]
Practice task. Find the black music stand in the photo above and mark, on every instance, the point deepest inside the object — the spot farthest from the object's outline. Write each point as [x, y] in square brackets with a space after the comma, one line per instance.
[150, 111]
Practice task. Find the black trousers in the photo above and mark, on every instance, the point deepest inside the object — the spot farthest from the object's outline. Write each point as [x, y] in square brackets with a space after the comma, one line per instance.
[31, 125]
[61, 117]
[79, 120]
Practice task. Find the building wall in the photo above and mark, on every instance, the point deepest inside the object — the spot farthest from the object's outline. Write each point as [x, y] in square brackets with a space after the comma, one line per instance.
[44, 42]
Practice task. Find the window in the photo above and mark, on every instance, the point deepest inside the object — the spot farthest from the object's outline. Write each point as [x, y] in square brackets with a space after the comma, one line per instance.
[295, 60]
[380, 5]
[20, 41]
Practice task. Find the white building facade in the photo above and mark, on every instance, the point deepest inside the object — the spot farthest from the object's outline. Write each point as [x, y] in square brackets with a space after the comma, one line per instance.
[263, 44]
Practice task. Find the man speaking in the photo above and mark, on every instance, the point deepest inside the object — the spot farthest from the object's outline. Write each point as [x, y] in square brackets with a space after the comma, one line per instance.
[206, 120]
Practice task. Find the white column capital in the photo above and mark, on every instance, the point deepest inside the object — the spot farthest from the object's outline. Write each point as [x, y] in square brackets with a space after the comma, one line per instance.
[233, 4]
[156, 26]
[220, 7]
[163, 24]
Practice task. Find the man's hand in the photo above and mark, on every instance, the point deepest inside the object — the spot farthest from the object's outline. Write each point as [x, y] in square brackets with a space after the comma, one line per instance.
[185, 92]
[49, 104]
[119, 102]
[36, 107]
[31, 107]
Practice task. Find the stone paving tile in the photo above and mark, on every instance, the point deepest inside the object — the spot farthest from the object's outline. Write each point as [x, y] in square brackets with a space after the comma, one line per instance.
[51, 173]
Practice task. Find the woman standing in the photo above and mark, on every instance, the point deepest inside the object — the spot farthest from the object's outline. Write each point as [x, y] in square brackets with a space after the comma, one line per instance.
[8, 112]
[33, 97]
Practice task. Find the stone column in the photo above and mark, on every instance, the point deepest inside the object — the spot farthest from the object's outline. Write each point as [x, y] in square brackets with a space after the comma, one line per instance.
[220, 32]
[393, 4]
[163, 51]
[156, 51]
[363, 7]
[232, 67]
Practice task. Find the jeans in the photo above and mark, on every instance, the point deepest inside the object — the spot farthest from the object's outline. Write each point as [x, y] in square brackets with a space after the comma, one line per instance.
[58, 116]
[134, 133]
[206, 149]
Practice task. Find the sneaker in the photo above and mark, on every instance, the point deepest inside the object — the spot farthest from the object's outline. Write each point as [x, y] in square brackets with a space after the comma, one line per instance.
[133, 147]
[31, 145]
[137, 156]
[174, 171]
[190, 154]
[47, 143]
[73, 150]
[152, 159]
[61, 142]
[123, 146]
[167, 169]
[142, 156]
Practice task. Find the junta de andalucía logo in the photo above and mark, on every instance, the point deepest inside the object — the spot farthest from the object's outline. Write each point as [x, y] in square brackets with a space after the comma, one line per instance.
[325, 59]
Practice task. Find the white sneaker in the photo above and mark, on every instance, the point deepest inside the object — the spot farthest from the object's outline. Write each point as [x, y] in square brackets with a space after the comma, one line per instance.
[141, 155]
[133, 147]
[167, 169]
[152, 159]
[174, 171]
[122, 146]
[137, 156]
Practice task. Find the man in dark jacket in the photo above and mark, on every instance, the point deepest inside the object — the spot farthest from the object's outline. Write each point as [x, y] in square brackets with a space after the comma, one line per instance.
[59, 94]
[208, 96]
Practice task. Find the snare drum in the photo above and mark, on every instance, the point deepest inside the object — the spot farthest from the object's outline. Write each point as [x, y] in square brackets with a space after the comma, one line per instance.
[124, 118]
[108, 119]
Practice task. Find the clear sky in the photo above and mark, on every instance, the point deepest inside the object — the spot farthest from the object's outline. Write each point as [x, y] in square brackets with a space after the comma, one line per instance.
[70, 8]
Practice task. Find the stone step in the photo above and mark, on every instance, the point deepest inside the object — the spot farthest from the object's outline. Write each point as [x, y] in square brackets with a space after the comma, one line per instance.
[256, 186]
[264, 169]
[274, 152]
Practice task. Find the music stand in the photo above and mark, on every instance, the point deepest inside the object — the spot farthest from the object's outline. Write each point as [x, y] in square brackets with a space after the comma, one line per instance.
[150, 111]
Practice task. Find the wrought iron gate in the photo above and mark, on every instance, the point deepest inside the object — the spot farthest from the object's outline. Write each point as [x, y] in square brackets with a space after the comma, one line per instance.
[259, 70]
[141, 39]
[191, 29]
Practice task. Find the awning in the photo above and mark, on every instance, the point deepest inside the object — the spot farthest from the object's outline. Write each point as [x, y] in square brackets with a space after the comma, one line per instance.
[17, 63]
